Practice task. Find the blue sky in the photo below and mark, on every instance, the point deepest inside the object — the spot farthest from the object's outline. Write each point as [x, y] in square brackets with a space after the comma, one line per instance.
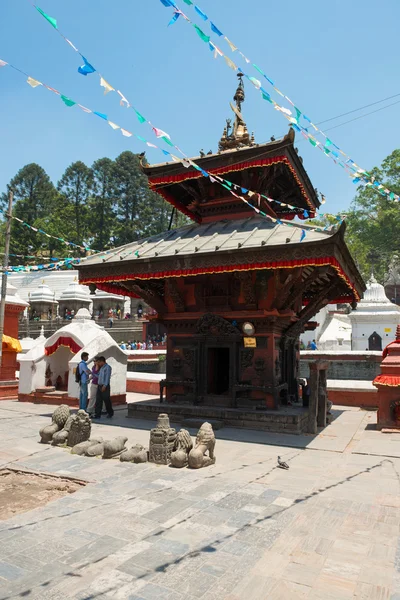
[329, 57]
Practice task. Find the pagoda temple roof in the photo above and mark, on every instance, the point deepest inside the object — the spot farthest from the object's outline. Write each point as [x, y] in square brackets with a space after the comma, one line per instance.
[228, 245]
[290, 185]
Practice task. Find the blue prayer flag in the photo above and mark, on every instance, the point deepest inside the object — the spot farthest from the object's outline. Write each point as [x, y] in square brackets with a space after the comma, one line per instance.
[87, 68]
[215, 29]
[101, 115]
[303, 235]
[200, 13]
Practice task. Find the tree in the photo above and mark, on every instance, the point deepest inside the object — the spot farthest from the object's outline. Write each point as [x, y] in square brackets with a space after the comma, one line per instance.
[34, 198]
[75, 186]
[101, 203]
[373, 223]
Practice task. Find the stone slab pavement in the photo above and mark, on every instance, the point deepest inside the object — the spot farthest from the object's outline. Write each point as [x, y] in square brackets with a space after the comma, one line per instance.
[328, 528]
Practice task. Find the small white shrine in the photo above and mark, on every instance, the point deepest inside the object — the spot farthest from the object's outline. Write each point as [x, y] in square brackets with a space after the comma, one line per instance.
[73, 298]
[375, 319]
[43, 304]
[48, 369]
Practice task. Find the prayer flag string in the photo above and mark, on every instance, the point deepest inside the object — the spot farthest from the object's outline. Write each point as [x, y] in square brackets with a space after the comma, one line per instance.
[186, 163]
[328, 147]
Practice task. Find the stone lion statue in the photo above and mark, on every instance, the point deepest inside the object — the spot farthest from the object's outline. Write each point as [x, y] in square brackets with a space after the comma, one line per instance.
[182, 447]
[80, 428]
[205, 441]
[58, 420]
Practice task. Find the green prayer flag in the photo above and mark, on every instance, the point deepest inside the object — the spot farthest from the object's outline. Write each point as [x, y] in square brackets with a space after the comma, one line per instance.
[188, 2]
[328, 142]
[167, 141]
[67, 101]
[51, 20]
[298, 113]
[139, 137]
[313, 142]
[266, 97]
[204, 37]
[258, 69]
[140, 117]
[391, 195]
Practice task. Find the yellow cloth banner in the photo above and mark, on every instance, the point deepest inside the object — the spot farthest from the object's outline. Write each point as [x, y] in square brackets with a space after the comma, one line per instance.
[10, 343]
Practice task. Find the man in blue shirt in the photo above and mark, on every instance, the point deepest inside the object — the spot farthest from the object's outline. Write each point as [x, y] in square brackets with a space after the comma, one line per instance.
[84, 373]
[313, 345]
[103, 389]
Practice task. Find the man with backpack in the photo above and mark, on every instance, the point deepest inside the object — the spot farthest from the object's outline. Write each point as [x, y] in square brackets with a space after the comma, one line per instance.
[82, 374]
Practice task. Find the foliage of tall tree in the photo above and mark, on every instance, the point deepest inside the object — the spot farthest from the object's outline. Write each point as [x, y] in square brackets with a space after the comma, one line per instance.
[75, 187]
[374, 221]
[34, 198]
[101, 204]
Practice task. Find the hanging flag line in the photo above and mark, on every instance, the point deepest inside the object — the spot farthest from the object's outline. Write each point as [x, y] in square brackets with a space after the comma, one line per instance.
[31, 257]
[88, 68]
[69, 262]
[34, 83]
[359, 175]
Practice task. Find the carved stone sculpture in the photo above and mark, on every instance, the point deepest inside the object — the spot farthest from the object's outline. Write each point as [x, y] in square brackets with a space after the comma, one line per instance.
[61, 415]
[162, 439]
[95, 449]
[46, 433]
[60, 437]
[113, 448]
[182, 447]
[136, 454]
[59, 418]
[80, 428]
[81, 448]
[205, 441]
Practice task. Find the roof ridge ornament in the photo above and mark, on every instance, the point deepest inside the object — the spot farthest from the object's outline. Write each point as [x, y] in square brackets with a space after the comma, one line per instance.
[236, 135]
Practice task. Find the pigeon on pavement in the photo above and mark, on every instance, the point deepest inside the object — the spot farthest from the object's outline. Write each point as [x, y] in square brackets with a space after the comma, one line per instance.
[281, 464]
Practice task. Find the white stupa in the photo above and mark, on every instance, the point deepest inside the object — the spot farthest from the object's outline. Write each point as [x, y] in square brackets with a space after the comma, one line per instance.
[74, 297]
[375, 319]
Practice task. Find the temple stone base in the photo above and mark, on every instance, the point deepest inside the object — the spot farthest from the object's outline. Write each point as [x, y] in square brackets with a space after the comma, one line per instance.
[57, 397]
[8, 390]
[287, 420]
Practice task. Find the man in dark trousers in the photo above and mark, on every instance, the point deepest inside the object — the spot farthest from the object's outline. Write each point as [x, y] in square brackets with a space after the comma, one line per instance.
[103, 389]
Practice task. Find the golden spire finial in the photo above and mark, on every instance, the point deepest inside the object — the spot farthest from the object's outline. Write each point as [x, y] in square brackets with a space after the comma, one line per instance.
[236, 136]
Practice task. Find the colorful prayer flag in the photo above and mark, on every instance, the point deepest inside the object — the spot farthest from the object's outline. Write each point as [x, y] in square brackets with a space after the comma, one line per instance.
[107, 87]
[101, 115]
[174, 18]
[232, 46]
[230, 63]
[86, 68]
[33, 82]
[3, 63]
[140, 117]
[51, 20]
[215, 29]
[67, 101]
[201, 34]
[126, 133]
[113, 125]
[200, 13]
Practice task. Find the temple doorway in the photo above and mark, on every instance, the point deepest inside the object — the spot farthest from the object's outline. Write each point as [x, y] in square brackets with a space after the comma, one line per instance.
[218, 368]
[375, 342]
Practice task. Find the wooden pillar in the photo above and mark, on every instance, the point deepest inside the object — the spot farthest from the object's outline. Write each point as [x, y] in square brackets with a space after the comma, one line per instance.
[321, 414]
[313, 402]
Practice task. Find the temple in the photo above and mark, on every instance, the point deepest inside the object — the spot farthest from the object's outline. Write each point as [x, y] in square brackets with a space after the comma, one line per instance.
[235, 288]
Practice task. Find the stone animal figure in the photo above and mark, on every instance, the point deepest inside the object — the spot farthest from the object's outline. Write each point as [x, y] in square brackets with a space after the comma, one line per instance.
[136, 454]
[205, 441]
[80, 428]
[182, 447]
[58, 420]
[80, 449]
[113, 448]
[60, 437]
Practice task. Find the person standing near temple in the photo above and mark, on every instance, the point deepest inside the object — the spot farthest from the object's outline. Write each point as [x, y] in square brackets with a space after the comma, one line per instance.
[103, 389]
[83, 379]
[93, 388]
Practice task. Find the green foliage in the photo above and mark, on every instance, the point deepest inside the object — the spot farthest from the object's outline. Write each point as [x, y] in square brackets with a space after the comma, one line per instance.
[373, 223]
[102, 206]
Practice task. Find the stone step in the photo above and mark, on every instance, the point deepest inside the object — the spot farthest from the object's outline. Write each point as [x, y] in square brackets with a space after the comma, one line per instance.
[197, 423]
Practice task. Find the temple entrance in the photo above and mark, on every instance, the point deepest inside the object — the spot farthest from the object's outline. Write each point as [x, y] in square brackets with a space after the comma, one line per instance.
[218, 371]
[375, 342]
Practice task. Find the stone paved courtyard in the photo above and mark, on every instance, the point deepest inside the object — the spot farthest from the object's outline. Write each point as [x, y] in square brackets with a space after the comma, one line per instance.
[327, 529]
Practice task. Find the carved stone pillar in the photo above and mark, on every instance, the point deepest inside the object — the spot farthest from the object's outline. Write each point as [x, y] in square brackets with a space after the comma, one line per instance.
[313, 403]
[322, 397]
